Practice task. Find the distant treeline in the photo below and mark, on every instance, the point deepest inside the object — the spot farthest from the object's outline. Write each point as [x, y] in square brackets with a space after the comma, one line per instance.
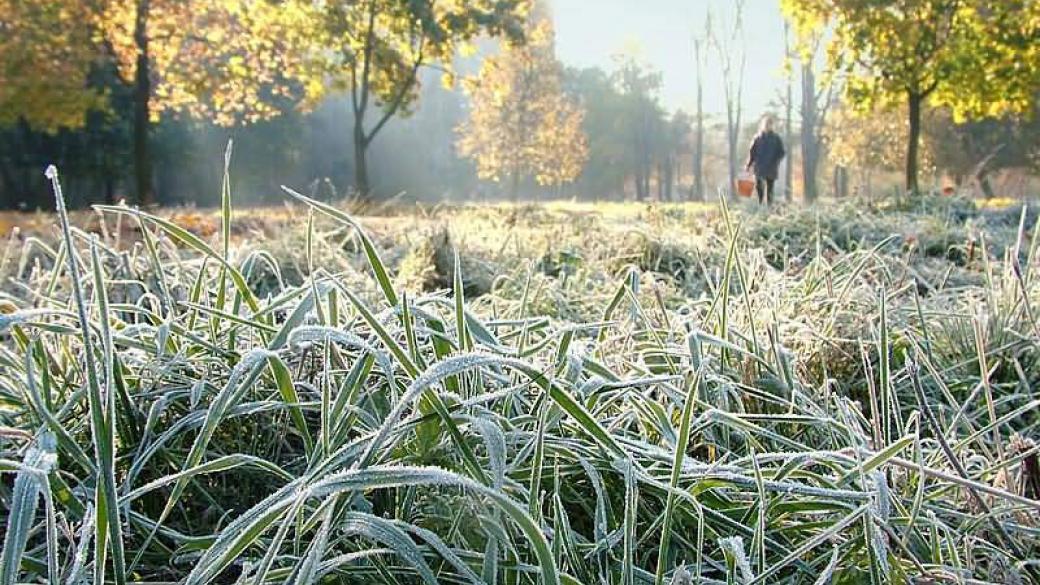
[635, 148]
[137, 99]
[311, 152]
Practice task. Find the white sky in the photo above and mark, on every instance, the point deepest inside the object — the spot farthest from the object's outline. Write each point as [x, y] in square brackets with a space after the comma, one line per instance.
[590, 32]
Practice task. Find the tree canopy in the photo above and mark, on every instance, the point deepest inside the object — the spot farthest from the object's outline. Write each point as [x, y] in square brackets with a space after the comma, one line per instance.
[977, 58]
[521, 123]
[374, 50]
[46, 58]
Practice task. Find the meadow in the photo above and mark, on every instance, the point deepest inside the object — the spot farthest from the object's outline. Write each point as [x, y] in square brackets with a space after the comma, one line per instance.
[557, 393]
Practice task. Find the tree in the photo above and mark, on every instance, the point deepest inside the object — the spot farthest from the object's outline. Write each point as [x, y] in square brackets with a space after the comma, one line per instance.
[46, 57]
[374, 49]
[521, 123]
[972, 151]
[223, 60]
[675, 143]
[732, 55]
[603, 124]
[788, 109]
[630, 136]
[641, 119]
[47, 84]
[699, 54]
[816, 102]
[979, 58]
[866, 142]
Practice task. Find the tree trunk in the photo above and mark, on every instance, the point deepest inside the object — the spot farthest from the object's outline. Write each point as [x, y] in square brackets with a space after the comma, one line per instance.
[915, 101]
[789, 159]
[810, 134]
[698, 154]
[640, 184]
[810, 160]
[8, 182]
[674, 177]
[731, 137]
[361, 185]
[660, 181]
[982, 177]
[142, 107]
[788, 109]
[514, 186]
[698, 137]
[110, 188]
[841, 182]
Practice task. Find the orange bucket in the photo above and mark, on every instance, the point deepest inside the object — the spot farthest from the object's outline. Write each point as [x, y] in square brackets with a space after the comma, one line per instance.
[745, 184]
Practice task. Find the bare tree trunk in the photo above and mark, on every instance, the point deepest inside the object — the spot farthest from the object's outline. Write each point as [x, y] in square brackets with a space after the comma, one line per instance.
[514, 186]
[789, 107]
[10, 187]
[698, 136]
[142, 107]
[815, 105]
[732, 136]
[674, 177]
[733, 87]
[644, 182]
[110, 188]
[361, 184]
[841, 182]
[660, 180]
[810, 144]
[914, 101]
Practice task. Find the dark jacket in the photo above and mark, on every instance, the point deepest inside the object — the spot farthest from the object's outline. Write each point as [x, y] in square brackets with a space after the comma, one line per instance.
[767, 150]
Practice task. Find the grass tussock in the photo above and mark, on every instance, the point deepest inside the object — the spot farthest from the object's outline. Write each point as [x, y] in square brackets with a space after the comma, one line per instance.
[523, 395]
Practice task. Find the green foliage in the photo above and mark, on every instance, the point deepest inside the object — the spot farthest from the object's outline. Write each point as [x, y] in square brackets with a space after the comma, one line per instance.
[630, 135]
[971, 56]
[377, 46]
[977, 58]
[375, 49]
[218, 60]
[45, 63]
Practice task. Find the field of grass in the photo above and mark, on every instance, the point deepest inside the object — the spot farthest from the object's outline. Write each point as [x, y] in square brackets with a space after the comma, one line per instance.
[523, 394]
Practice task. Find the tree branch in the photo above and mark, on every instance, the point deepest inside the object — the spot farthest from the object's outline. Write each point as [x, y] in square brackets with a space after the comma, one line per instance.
[398, 99]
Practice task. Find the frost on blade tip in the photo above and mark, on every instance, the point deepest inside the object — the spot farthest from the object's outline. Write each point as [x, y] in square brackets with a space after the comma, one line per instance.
[495, 443]
[18, 317]
[51, 172]
[681, 576]
[734, 547]
[79, 559]
[307, 335]
[881, 504]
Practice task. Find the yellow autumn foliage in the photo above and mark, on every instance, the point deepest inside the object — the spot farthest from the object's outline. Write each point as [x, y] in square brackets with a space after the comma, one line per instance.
[521, 123]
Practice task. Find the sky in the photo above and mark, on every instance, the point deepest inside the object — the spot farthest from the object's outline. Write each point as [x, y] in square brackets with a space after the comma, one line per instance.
[590, 32]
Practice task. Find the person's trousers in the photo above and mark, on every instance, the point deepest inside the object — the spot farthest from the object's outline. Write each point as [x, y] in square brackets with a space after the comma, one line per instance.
[764, 189]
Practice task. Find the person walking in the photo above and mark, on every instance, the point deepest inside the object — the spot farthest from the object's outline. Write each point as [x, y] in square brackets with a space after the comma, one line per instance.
[767, 150]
